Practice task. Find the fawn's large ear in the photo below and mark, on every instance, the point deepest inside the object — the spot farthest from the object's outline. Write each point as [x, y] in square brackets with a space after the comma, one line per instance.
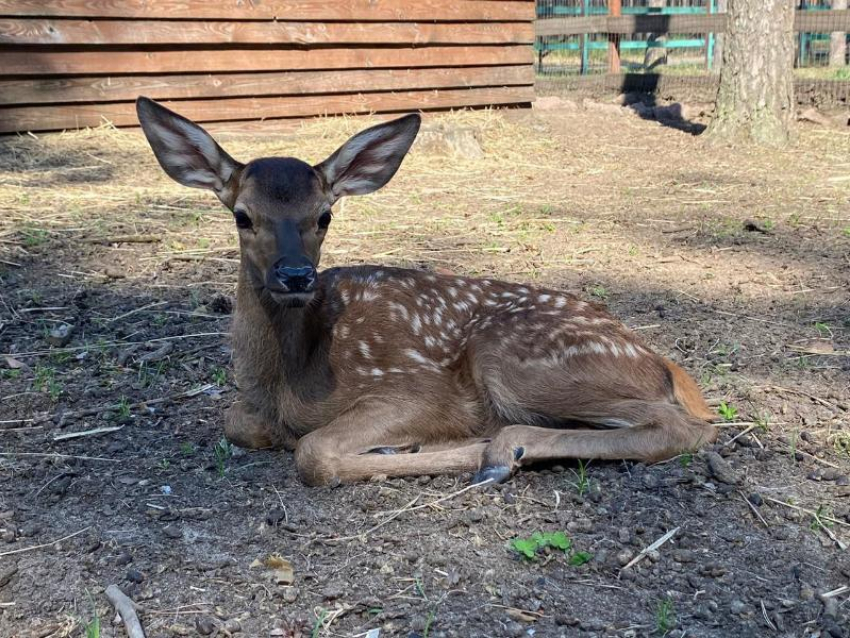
[184, 150]
[369, 159]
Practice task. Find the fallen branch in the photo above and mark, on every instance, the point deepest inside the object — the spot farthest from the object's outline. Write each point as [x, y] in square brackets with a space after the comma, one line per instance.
[812, 513]
[126, 608]
[125, 239]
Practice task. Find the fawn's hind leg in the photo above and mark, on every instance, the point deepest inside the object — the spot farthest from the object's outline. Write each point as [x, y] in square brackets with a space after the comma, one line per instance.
[663, 430]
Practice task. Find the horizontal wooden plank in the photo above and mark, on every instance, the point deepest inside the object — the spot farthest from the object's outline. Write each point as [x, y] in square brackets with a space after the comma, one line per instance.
[806, 21]
[159, 32]
[632, 24]
[223, 60]
[351, 10]
[163, 87]
[822, 21]
[47, 118]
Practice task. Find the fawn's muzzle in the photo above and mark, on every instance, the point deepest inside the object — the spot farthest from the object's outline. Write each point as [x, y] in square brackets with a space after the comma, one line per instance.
[295, 278]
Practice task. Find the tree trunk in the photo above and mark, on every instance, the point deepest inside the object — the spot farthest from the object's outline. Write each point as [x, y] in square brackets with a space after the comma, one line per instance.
[719, 38]
[656, 55]
[838, 40]
[755, 100]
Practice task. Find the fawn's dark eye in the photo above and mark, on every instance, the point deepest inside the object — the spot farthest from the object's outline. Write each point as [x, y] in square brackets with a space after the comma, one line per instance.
[325, 220]
[242, 219]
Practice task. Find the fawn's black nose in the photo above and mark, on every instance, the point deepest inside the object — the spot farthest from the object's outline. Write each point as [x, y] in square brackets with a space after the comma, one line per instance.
[296, 279]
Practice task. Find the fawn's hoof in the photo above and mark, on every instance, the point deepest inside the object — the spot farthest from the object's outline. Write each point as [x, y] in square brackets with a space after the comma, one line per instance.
[246, 430]
[493, 474]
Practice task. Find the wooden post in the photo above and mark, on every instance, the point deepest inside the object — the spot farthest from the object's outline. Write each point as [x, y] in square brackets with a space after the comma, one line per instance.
[585, 5]
[615, 10]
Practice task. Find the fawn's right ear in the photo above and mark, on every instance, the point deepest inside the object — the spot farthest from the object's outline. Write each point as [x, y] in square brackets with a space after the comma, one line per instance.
[184, 150]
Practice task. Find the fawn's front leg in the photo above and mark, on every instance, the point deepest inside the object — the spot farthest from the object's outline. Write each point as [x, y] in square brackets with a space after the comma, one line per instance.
[363, 442]
[247, 428]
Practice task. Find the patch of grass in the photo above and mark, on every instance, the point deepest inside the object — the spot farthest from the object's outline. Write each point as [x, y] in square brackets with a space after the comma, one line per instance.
[45, 381]
[728, 411]
[580, 558]
[600, 292]
[686, 459]
[92, 626]
[792, 444]
[164, 465]
[222, 451]
[582, 483]
[665, 617]
[124, 408]
[429, 622]
[10, 374]
[846, 231]
[762, 422]
[187, 448]
[219, 376]
[823, 330]
[818, 520]
[320, 622]
[841, 443]
[34, 237]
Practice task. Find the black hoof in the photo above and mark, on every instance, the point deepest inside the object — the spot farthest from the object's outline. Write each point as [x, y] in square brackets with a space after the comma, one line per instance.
[383, 450]
[492, 473]
[388, 449]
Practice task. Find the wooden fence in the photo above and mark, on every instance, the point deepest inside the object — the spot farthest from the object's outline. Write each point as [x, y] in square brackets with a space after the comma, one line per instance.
[68, 64]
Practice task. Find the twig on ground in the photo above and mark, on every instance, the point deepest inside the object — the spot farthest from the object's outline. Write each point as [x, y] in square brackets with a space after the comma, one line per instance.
[439, 500]
[187, 394]
[32, 548]
[125, 239]
[753, 508]
[84, 433]
[62, 456]
[749, 429]
[809, 512]
[134, 311]
[651, 548]
[126, 608]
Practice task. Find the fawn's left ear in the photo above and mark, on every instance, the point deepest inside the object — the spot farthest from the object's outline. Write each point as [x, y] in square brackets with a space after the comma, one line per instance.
[185, 151]
[369, 160]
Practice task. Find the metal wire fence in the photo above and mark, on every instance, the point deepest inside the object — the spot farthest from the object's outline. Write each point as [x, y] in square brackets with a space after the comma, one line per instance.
[646, 43]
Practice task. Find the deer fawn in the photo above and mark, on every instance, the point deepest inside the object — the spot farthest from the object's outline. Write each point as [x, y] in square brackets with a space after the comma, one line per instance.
[370, 370]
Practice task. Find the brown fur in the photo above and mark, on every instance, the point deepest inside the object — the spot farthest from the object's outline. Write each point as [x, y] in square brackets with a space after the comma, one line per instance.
[451, 373]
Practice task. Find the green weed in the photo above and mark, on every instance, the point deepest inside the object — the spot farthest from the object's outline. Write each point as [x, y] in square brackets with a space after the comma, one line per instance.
[45, 381]
[818, 521]
[665, 617]
[528, 547]
[222, 451]
[10, 374]
[219, 376]
[823, 330]
[600, 292]
[187, 448]
[582, 483]
[320, 622]
[728, 411]
[580, 558]
[34, 236]
[92, 626]
[124, 408]
[686, 459]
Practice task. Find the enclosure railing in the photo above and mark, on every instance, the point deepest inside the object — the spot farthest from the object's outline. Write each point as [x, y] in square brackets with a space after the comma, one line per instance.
[591, 36]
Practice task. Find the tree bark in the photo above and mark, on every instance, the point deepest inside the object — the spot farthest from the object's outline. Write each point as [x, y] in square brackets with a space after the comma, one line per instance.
[755, 100]
[719, 38]
[657, 55]
[838, 40]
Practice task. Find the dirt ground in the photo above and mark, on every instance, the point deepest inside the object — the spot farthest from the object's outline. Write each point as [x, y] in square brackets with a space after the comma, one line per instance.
[735, 263]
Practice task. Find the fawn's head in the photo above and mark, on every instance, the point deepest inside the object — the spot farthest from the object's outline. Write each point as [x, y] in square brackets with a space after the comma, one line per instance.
[281, 205]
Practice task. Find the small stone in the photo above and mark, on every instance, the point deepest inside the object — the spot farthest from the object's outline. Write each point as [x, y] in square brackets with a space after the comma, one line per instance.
[172, 531]
[509, 498]
[6, 574]
[275, 516]
[683, 556]
[624, 557]
[205, 625]
[566, 621]
[650, 481]
[233, 626]
[332, 593]
[180, 630]
[290, 594]
[737, 607]
[843, 480]
[514, 629]
[830, 607]
[9, 536]
[806, 593]
[61, 335]
[123, 559]
[721, 469]
[756, 499]
[475, 516]
[624, 535]
[30, 529]
[135, 576]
